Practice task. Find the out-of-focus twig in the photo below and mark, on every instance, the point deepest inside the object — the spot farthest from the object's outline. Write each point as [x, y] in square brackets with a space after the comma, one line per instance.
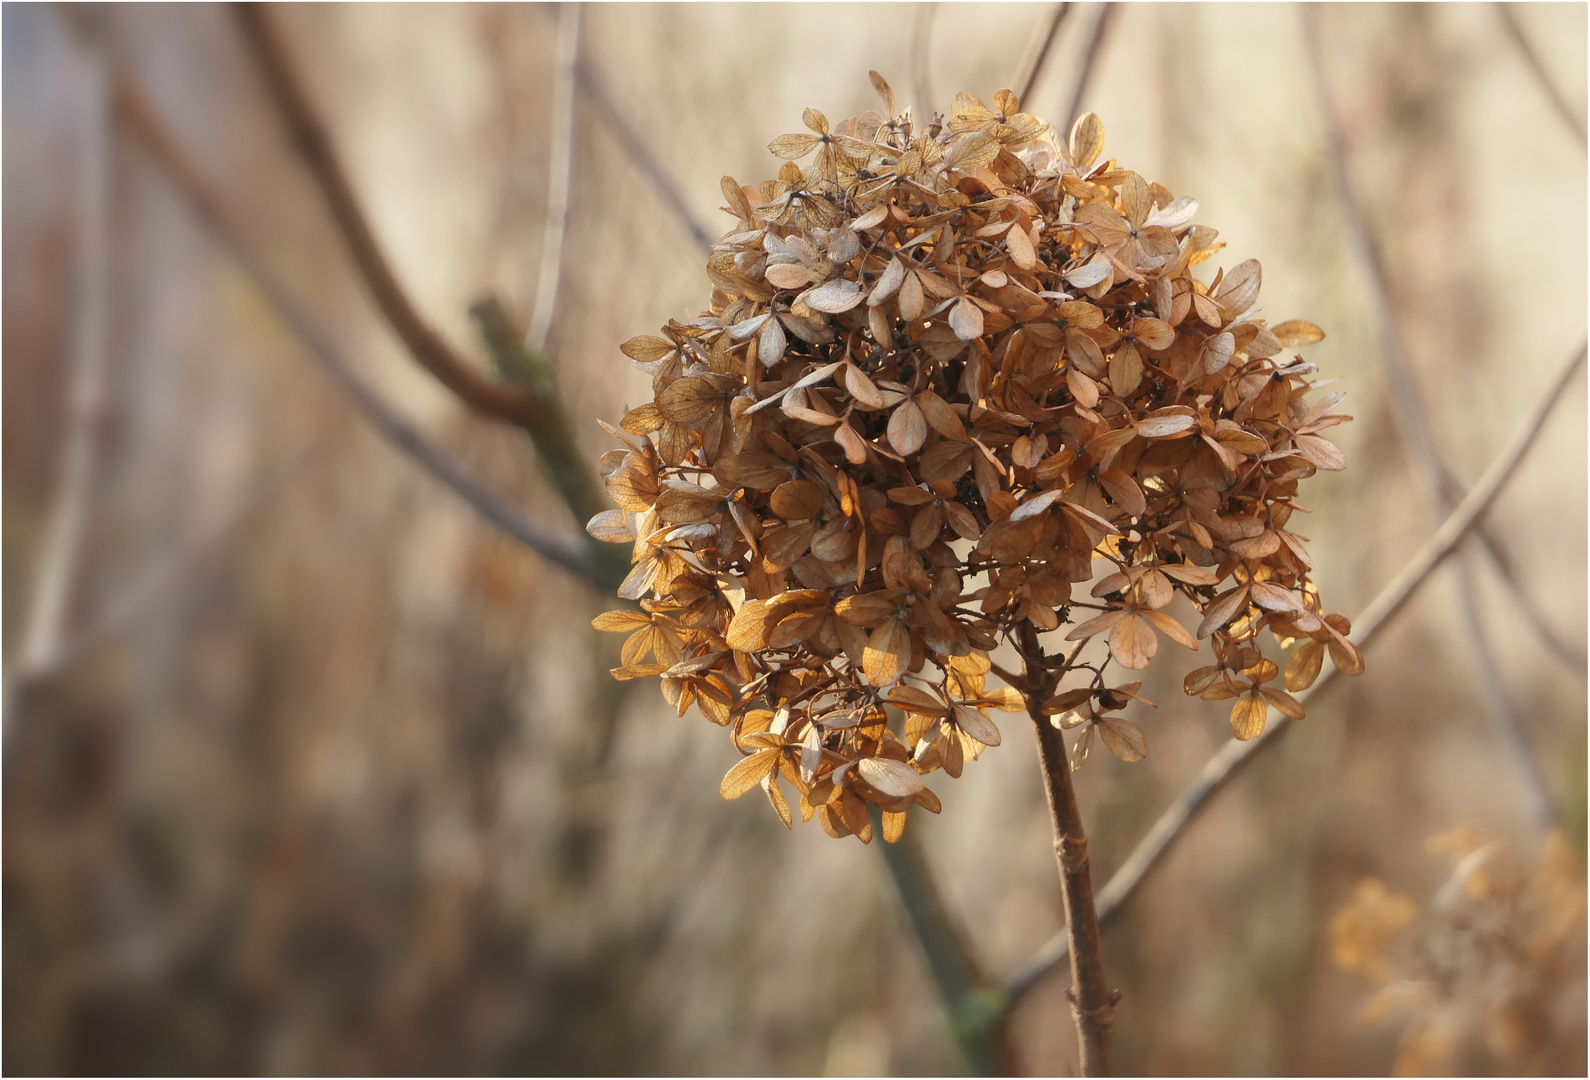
[74, 489]
[560, 172]
[1038, 46]
[1225, 764]
[973, 1005]
[557, 448]
[922, 63]
[1415, 430]
[310, 138]
[528, 394]
[594, 87]
[1573, 658]
[1515, 30]
[1090, 62]
[137, 113]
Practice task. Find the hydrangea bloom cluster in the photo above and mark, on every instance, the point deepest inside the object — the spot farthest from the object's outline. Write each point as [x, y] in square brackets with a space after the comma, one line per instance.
[944, 373]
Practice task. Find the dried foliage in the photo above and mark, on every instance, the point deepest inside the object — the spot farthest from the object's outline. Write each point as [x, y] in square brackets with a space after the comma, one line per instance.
[940, 373]
[1493, 969]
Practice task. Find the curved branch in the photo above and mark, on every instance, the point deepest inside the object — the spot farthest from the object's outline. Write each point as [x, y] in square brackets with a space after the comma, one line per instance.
[309, 136]
[135, 111]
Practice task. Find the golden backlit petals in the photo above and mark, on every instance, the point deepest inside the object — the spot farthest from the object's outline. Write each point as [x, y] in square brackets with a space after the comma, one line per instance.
[1132, 642]
[748, 773]
[1086, 141]
[611, 527]
[1284, 703]
[1304, 666]
[620, 622]
[977, 725]
[1296, 333]
[1222, 609]
[888, 652]
[793, 146]
[1248, 715]
[1123, 738]
[1170, 628]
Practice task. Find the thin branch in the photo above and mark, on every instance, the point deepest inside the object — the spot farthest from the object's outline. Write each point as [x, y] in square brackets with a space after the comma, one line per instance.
[1515, 30]
[74, 490]
[136, 112]
[528, 395]
[1090, 62]
[560, 172]
[1574, 658]
[310, 138]
[1037, 53]
[972, 1003]
[1225, 764]
[595, 90]
[1415, 430]
[922, 63]
[1092, 1000]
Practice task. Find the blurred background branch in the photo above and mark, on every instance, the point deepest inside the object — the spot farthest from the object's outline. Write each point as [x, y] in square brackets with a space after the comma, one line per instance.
[1548, 85]
[1420, 445]
[136, 112]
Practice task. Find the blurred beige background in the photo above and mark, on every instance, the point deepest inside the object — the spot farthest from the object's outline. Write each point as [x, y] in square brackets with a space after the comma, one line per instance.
[328, 797]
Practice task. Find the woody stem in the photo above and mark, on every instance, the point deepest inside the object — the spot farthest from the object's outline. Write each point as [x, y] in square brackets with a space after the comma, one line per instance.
[1092, 1000]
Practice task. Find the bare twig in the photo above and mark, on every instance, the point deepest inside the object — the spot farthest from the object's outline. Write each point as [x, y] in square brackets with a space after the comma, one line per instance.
[1092, 1000]
[922, 63]
[560, 172]
[594, 88]
[309, 136]
[1090, 62]
[1515, 30]
[1573, 658]
[1415, 429]
[1224, 765]
[136, 112]
[1038, 46]
[74, 488]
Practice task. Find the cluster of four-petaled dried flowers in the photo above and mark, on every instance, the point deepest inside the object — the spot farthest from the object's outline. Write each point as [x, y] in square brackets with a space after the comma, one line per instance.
[942, 372]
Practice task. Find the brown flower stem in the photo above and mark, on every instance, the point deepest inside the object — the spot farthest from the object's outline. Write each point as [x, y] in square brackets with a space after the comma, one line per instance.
[1224, 766]
[1092, 1000]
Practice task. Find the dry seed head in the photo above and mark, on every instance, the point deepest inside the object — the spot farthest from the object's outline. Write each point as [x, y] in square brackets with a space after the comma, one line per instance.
[940, 374]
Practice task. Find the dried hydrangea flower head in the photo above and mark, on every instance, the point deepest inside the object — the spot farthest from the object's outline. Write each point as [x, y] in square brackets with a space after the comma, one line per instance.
[940, 374]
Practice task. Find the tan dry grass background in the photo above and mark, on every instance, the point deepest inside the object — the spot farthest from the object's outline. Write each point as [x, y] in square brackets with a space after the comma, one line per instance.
[333, 803]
